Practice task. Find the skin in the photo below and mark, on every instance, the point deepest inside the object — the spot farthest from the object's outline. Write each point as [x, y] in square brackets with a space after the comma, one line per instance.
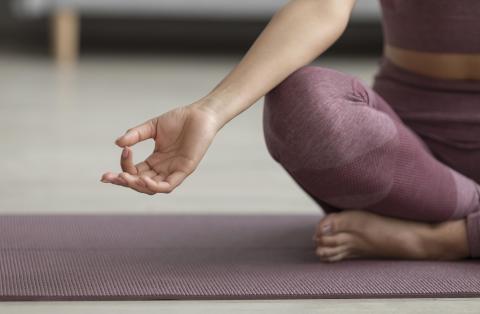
[182, 136]
[451, 66]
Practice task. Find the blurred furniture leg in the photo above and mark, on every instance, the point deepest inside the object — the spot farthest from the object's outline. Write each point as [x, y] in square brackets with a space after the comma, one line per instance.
[65, 35]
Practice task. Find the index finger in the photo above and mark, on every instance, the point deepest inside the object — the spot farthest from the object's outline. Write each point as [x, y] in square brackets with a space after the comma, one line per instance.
[126, 161]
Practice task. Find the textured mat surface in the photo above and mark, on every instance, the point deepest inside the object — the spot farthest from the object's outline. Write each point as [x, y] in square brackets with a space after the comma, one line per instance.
[201, 257]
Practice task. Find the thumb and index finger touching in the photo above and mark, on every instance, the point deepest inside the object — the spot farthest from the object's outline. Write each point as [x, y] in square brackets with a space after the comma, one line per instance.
[138, 134]
[133, 136]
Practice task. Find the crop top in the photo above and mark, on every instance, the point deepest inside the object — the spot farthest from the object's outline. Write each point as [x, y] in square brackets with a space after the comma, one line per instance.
[450, 26]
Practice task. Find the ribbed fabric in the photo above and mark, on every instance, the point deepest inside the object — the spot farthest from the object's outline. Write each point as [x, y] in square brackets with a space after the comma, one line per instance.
[446, 116]
[348, 148]
[432, 25]
[443, 113]
[201, 257]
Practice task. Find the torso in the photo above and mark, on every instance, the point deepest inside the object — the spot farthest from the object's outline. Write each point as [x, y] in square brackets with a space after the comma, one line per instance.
[436, 38]
[438, 65]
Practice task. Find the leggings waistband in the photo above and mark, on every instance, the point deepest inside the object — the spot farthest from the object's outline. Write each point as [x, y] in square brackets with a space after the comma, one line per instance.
[388, 70]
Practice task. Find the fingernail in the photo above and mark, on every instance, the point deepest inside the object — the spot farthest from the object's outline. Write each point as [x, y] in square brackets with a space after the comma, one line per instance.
[103, 180]
[125, 153]
[327, 229]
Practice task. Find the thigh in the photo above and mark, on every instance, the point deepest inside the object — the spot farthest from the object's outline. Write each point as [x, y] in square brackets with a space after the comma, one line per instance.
[327, 129]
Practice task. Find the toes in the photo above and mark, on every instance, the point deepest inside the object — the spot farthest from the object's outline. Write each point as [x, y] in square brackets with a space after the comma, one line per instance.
[335, 240]
[325, 251]
[337, 257]
[326, 226]
[347, 220]
[335, 254]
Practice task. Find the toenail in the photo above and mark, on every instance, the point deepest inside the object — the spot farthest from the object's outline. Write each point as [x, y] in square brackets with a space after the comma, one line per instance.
[327, 229]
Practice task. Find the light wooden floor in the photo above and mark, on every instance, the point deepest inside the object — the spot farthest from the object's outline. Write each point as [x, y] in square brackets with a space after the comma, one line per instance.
[57, 129]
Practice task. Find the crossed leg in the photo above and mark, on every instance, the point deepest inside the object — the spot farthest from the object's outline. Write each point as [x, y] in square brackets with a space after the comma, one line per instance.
[385, 194]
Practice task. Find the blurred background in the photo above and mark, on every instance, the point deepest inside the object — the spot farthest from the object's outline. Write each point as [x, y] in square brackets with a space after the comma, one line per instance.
[74, 75]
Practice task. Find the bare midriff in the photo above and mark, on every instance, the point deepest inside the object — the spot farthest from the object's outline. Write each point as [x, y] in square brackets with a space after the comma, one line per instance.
[460, 66]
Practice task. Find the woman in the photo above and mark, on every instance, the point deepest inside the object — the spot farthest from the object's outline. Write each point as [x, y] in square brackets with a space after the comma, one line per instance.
[394, 166]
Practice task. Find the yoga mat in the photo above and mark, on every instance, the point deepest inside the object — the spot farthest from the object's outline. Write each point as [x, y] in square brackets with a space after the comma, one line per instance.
[202, 257]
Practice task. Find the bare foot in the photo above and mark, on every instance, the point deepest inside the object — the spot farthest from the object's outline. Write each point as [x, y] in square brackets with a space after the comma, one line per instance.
[362, 234]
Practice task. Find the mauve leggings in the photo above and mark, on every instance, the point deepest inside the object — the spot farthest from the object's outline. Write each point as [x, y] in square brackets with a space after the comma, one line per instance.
[409, 147]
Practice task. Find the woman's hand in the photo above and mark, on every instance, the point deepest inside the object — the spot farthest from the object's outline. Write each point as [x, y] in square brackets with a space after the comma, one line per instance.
[182, 137]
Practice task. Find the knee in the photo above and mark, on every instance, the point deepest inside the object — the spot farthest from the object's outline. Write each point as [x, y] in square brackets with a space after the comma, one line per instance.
[310, 92]
[309, 97]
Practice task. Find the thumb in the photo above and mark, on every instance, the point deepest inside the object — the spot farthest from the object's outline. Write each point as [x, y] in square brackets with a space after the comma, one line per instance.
[137, 134]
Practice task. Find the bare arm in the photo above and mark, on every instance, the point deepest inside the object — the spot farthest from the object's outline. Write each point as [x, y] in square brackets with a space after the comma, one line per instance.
[298, 33]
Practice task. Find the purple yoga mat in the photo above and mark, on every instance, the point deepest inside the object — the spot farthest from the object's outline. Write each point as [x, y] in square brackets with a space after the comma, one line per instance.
[201, 257]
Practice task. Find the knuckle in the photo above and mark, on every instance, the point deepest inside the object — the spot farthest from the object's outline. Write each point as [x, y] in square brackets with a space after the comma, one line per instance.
[152, 123]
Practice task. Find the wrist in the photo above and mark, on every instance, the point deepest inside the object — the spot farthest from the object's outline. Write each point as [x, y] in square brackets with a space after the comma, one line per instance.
[219, 108]
[212, 109]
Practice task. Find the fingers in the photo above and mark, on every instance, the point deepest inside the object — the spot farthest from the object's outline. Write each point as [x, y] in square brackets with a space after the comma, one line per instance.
[135, 183]
[158, 185]
[137, 134]
[126, 161]
[129, 176]
[127, 180]
[113, 178]
[149, 182]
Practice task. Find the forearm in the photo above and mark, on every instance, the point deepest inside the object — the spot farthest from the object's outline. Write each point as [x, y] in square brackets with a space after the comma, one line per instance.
[295, 36]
